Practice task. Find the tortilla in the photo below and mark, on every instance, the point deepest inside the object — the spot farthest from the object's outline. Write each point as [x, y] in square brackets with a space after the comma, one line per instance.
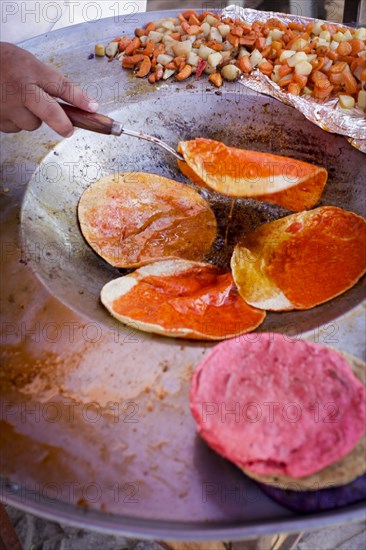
[181, 299]
[291, 183]
[132, 219]
[302, 260]
[339, 473]
[274, 406]
[318, 501]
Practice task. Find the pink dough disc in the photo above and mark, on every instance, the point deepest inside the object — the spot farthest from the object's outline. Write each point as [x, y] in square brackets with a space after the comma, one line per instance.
[276, 406]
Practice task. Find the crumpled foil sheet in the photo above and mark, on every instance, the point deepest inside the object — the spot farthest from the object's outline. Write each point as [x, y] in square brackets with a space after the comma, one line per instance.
[325, 114]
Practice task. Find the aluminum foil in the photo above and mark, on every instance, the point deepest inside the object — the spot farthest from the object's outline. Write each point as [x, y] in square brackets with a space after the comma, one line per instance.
[326, 114]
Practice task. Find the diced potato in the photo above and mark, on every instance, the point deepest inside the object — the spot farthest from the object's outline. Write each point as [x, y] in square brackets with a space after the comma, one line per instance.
[182, 48]
[161, 22]
[328, 65]
[275, 34]
[348, 35]
[143, 39]
[333, 45]
[311, 56]
[193, 59]
[206, 29]
[268, 40]
[205, 51]
[161, 29]
[99, 50]
[256, 58]
[242, 52]
[168, 73]
[210, 20]
[155, 36]
[303, 68]
[317, 28]
[111, 49]
[167, 24]
[227, 46]
[275, 76]
[299, 44]
[215, 35]
[164, 59]
[339, 37]
[346, 101]
[360, 33]
[225, 55]
[307, 91]
[286, 54]
[287, 78]
[167, 39]
[361, 99]
[169, 51]
[325, 35]
[209, 69]
[231, 72]
[224, 30]
[323, 42]
[294, 59]
[214, 59]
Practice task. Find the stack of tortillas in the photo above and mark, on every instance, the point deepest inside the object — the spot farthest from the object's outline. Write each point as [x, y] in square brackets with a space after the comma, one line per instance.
[289, 414]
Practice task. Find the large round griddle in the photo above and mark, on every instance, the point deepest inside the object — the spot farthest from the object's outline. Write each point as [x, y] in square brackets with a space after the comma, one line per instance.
[110, 443]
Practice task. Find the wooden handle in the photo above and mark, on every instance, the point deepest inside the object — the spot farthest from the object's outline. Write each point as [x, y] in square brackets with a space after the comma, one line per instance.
[88, 121]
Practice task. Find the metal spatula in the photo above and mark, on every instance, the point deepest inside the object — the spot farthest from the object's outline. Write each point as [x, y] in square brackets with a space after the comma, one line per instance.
[104, 125]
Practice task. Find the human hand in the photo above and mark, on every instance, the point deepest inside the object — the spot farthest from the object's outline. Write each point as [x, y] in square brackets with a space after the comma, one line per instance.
[28, 92]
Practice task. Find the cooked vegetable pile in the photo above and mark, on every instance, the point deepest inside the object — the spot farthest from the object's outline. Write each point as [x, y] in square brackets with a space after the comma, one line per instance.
[319, 59]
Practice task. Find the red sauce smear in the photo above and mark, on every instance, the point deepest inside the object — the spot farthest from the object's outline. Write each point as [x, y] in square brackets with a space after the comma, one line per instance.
[322, 261]
[202, 300]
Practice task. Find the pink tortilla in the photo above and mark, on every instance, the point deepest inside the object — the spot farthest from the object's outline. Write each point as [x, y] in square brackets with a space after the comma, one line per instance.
[276, 406]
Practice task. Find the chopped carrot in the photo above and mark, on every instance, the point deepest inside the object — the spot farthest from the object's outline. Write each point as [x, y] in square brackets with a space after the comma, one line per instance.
[151, 27]
[244, 64]
[134, 44]
[266, 68]
[284, 70]
[294, 88]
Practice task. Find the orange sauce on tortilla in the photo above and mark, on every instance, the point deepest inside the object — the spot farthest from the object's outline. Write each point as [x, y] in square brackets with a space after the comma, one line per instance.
[321, 260]
[199, 299]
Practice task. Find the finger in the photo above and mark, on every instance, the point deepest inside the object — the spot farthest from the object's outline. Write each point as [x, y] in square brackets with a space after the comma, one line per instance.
[26, 120]
[57, 85]
[9, 127]
[47, 109]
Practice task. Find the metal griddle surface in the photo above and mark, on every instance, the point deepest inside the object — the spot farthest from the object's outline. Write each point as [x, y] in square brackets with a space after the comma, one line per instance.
[96, 428]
